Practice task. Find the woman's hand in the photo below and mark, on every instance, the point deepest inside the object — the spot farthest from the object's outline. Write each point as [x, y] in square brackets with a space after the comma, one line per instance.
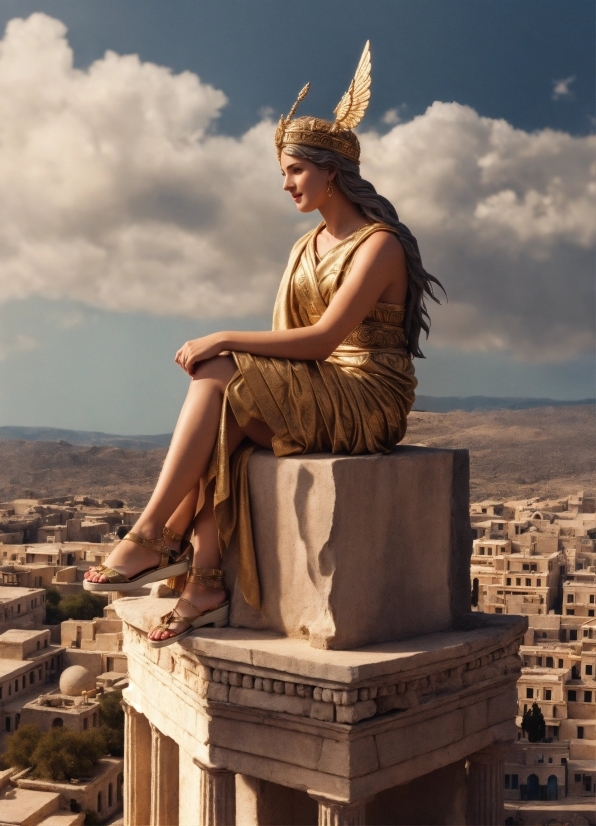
[199, 349]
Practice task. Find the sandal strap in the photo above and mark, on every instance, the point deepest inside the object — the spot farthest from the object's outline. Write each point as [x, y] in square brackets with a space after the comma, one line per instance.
[111, 573]
[168, 533]
[209, 577]
[175, 616]
[157, 545]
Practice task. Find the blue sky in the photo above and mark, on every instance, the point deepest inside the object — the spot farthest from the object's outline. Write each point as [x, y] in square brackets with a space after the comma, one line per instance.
[106, 265]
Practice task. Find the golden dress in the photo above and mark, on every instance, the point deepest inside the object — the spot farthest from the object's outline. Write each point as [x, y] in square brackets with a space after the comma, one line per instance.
[355, 401]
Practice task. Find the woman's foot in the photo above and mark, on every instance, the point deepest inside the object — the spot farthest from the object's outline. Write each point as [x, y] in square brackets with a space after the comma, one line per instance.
[200, 598]
[130, 559]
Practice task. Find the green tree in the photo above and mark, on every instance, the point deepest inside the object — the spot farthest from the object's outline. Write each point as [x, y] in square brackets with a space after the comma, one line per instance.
[20, 747]
[63, 754]
[111, 718]
[83, 606]
[533, 724]
[53, 596]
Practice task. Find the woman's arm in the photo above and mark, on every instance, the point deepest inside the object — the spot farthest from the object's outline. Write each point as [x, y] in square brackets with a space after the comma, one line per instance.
[379, 264]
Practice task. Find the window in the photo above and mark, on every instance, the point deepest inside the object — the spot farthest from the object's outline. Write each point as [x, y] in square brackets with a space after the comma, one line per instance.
[587, 696]
[592, 598]
[539, 662]
[7, 724]
[498, 610]
[528, 581]
[518, 580]
[508, 582]
[550, 663]
[31, 677]
[16, 685]
[489, 551]
[572, 696]
[525, 567]
[591, 612]
[529, 693]
[99, 802]
[18, 609]
[559, 663]
[507, 781]
[588, 671]
[110, 795]
[539, 582]
[577, 778]
[569, 597]
[572, 633]
[514, 781]
[481, 551]
[580, 732]
[548, 694]
[24, 681]
[550, 759]
[571, 613]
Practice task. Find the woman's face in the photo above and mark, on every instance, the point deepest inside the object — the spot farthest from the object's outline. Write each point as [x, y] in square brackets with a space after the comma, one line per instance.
[306, 183]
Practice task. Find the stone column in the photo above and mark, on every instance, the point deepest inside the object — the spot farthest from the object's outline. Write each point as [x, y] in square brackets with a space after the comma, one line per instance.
[137, 768]
[332, 813]
[164, 780]
[217, 796]
[485, 786]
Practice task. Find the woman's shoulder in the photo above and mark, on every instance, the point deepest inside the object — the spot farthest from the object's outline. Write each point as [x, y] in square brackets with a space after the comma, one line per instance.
[380, 237]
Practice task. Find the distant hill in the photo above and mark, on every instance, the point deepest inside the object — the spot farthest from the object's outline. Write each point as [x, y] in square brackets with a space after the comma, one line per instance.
[429, 404]
[84, 437]
[446, 404]
[542, 451]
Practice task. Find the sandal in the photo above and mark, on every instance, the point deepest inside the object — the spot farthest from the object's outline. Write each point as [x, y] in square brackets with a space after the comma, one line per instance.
[172, 563]
[217, 616]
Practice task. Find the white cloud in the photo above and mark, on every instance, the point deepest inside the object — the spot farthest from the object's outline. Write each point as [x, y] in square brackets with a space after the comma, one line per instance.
[116, 191]
[391, 117]
[561, 87]
[20, 344]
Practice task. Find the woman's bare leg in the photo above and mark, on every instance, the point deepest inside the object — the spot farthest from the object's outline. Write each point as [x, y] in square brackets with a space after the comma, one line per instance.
[205, 539]
[185, 465]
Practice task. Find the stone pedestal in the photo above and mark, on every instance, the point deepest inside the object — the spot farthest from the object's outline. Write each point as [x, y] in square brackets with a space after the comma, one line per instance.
[364, 684]
[340, 725]
[485, 787]
[349, 549]
[137, 768]
[164, 780]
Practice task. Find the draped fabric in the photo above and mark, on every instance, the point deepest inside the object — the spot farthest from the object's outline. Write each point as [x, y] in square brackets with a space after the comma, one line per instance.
[356, 401]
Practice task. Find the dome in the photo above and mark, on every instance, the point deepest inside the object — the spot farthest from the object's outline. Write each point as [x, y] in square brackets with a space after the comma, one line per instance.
[76, 679]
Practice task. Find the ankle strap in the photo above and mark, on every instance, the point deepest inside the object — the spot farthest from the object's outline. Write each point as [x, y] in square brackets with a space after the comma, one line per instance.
[209, 577]
[168, 533]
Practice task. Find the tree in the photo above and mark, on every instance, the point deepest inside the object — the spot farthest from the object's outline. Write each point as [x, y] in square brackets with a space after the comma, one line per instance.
[111, 718]
[82, 606]
[533, 724]
[20, 747]
[63, 754]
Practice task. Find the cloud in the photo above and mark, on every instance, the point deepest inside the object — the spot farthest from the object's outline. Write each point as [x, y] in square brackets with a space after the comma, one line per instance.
[116, 191]
[561, 88]
[392, 116]
[20, 344]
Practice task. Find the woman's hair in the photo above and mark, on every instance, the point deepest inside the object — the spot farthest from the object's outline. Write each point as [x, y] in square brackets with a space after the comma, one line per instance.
[375, 207]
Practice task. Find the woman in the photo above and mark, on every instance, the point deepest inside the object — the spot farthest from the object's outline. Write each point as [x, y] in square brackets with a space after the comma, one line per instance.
[334, 374]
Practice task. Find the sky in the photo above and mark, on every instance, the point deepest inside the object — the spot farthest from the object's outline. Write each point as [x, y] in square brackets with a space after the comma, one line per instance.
[141, 199]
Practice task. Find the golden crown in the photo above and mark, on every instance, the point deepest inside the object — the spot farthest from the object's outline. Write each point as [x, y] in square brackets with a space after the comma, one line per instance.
[322, 134]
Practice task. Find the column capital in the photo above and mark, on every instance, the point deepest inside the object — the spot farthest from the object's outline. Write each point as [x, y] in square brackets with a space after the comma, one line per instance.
[210, 769]
[337, 813]
[491, 754]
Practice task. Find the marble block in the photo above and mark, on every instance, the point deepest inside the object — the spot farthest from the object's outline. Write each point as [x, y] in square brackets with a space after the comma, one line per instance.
[357, 550]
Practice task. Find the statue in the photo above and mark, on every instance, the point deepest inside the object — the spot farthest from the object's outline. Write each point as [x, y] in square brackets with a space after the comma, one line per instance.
[334, 374]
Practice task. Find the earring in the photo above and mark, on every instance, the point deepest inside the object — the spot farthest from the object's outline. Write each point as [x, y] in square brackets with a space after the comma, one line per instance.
[329, 188]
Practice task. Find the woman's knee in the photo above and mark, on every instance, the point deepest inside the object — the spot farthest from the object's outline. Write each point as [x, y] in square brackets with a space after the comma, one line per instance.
[219, 369]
